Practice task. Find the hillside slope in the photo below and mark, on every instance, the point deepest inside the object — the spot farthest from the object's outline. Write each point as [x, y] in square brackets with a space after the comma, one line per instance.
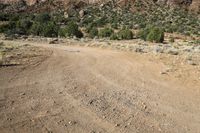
[190, 4]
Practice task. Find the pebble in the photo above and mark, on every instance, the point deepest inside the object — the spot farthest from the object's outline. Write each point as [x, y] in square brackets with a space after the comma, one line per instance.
[173, 52]
[190, 62]
[22, 94]
[117, 125]
[72, 123]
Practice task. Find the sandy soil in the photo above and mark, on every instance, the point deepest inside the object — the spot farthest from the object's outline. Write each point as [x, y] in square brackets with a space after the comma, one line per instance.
[87, 90]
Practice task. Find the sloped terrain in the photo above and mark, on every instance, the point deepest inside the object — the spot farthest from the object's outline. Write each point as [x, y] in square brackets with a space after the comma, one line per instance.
[190, 4]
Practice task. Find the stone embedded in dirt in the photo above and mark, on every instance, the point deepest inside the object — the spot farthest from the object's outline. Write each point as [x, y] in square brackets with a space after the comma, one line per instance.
[139, 50]
[91, 101]
[23, 94]
[72, 122]
[54, 41]
[173, 52]
[12, 102]
[163, 72]
[191, 62]
[9, 119]
[117, 125]
[144, 105]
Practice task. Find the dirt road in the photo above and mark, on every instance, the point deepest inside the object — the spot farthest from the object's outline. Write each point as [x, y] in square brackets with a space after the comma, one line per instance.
[88, 90]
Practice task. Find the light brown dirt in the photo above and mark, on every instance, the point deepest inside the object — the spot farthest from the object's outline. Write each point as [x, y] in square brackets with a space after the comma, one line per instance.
[88, 90]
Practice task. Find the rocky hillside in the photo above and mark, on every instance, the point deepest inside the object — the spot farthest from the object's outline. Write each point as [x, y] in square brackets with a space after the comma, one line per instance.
[190, 4]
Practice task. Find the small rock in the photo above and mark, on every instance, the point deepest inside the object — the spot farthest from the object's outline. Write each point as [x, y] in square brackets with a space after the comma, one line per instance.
[173, 52]
[190, 62]
[54, 41]
[9, 119]
[144, 105]
[23, 94]
[81, 13]
[117, 125]
[139, 50]
[157, 49]
[72, 123]
[163, 72]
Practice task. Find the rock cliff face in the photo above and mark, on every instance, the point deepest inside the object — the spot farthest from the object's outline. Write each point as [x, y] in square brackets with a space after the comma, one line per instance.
[191, 4]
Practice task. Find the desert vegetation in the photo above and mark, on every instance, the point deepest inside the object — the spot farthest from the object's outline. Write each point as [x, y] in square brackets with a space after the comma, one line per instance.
[104, 21]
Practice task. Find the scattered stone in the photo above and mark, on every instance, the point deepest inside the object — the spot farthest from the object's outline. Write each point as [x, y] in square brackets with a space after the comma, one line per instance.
[173, 52]
[191, 62]
[91, 101]
[72, 123]
[9, 119]
[117, 125]
[163, 72]
[23, 94]
[144, 105]
[54, 41]
[139, 50]
[158, 50]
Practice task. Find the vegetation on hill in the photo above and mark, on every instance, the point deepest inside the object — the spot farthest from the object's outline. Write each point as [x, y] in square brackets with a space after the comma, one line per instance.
[104, 21]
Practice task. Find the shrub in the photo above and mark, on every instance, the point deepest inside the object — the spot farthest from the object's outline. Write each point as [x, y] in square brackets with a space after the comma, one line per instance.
[93, 32]
[43, 17]
[36, 29]
[114, 36]
[50, 30]
[106, 32]
[144, 33]
[62, 32]
[4, 28]
[152, 34]
[125, 34]
[72, 30]
[114, 25]
[156, 35]
[23, 26]
[90, 27]
[4, 17]
[171, 39]
[101, 21]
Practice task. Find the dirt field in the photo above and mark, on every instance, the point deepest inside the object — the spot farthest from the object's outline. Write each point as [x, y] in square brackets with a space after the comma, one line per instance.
[70, 89]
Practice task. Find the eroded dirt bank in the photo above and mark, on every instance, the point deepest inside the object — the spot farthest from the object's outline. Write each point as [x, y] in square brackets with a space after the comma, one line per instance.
[78, 89]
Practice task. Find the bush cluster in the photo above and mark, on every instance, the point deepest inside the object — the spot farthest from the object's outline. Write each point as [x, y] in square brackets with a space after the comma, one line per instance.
[106, 32]
[40, 25]
[152, 34]
[70, 30]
